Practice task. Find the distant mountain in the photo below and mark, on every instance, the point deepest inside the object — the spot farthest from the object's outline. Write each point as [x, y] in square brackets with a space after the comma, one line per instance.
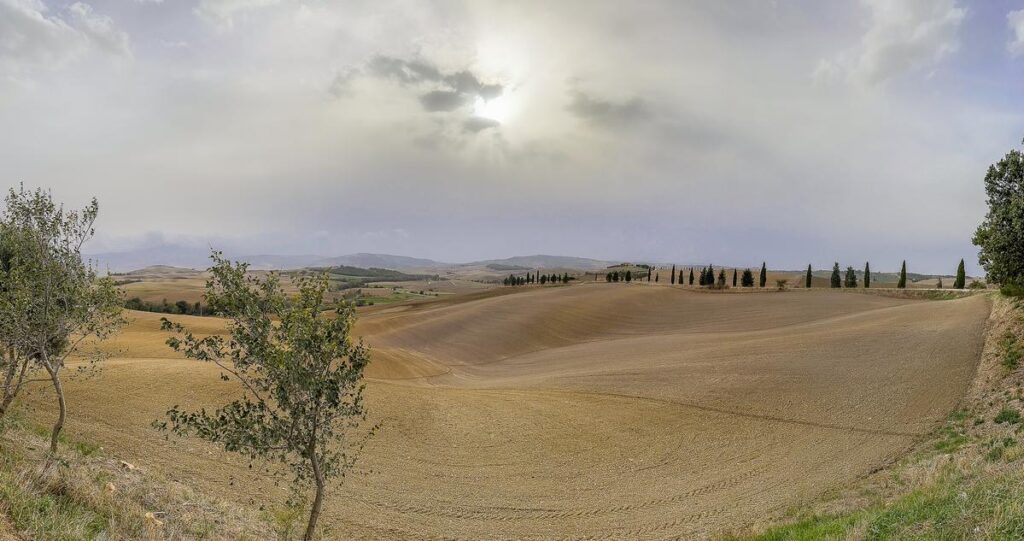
[199, 258]
[545, 262]
[379, 261]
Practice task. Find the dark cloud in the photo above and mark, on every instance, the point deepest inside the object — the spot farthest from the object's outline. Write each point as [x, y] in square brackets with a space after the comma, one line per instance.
[443, 100]
[445, 91]
[609, 113]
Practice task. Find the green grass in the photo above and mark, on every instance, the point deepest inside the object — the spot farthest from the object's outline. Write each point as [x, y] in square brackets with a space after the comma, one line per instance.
[954, 507]
[1012, 351]
[1007, 415]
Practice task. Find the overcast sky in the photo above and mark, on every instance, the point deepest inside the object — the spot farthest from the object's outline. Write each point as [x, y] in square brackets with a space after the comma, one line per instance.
[721, 132]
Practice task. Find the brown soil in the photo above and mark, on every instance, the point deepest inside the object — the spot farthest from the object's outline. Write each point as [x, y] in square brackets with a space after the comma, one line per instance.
[589, 411]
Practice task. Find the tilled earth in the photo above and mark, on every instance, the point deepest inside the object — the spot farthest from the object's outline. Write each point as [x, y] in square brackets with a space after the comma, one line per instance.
[590, 411]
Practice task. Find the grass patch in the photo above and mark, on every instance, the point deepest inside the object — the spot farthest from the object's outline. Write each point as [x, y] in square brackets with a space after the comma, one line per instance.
[1007, 415]
[1012, 350]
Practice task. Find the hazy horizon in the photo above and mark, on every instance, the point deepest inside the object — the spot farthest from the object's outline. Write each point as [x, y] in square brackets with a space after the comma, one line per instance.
[794, 132]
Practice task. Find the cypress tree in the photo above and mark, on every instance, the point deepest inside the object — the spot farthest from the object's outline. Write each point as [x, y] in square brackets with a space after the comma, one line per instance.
[565, 278]
[711, 275]
[961, 276]
[543, 280]
[748, 279]
[807, 281]
[681, 277]
[673, 275]
[867, 274]
[648, 274]
[721, 278]
[734, 277]
[703, 276]
[629, 276]
[836, 282]
[764, 274]
[939, 285]
[608, 277]
[902, 284]
[851, 277]
[656, 276]
[691, 276]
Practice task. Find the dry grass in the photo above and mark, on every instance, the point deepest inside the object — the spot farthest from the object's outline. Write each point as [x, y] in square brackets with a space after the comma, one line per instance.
[84, 494]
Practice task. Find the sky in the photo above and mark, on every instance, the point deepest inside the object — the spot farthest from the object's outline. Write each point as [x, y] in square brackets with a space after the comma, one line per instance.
[794, 132]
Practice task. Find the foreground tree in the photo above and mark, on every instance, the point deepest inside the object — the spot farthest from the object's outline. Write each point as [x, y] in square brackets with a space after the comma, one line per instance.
[51, 301]
[836, 282]
[721, 279]
[748, 278]
[301, 377]
[734, 273]
[691, 276]
[851, 277]
[764, 274]
[673, 278]
[1000, 237]
[903, 276]
[807, 279]
[867, 274]
[961, 276]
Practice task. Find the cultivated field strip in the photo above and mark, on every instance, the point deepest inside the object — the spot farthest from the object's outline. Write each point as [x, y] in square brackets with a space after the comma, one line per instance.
[596, 411]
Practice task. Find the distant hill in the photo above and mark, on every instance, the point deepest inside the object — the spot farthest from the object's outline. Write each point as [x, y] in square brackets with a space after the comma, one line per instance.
[545, 262]
[379, 261]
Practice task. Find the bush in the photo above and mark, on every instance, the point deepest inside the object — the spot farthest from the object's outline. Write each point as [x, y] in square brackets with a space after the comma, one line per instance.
[781, 284]
[975, 284]
[1012, 288]
[1007, 415]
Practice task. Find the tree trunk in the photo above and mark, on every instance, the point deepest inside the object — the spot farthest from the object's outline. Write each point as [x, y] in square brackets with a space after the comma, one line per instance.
[63, 410]
[318, 502]
[11, 385]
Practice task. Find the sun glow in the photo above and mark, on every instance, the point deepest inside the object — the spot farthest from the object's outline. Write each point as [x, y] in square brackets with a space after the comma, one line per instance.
[496, 109]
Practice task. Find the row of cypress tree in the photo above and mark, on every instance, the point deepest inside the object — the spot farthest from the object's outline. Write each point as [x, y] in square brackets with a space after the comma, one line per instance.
[536, 278]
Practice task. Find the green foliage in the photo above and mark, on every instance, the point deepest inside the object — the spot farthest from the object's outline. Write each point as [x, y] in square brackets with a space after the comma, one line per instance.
[851, 278]
[867, 275]
[807, 279]
[1007, 415]
[836, 282]
[629, 276]
[961, 276]
[764, 274]
[300, 372]
[1000, 237]
[976, 284]
[51, 301]
[1013, 287]
[673, 276]
[721, 279]
[179, 307]
[903, 276]
[681, 276]
[748, 278]
[734, 275]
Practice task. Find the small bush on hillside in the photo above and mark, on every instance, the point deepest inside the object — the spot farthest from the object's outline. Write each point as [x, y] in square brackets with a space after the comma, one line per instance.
[1007, 415]
[1012, 351]
[976, 284]
[781, 284]
[1013, 288]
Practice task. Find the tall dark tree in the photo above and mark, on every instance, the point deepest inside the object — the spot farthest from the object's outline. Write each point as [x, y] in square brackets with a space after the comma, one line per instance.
[711, 275]
[656, 276]
[673, 275]
[764, 274]
[608, 277]
[721, 279]
[807, 281]
[629, 276]
[734, 273]
[836, 281]
[903, 276]
[1000, 236]
[961, 276]
[565, 278]
[748, 278]
[648, 274]
[851, 277]
[867, 275]
[681, 277]
[691, 276]
[703, 276]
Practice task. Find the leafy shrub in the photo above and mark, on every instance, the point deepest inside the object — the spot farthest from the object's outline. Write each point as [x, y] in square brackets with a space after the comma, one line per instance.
[1007, 415]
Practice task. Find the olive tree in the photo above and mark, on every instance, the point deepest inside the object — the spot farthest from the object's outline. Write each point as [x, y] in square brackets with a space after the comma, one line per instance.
[300, 374]
[51, 301]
